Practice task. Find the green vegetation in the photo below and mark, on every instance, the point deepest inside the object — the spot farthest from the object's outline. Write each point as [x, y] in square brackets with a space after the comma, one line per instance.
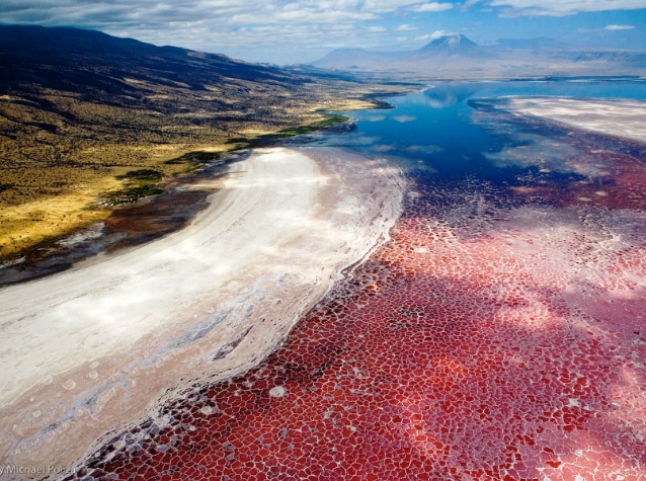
[376, 98]
[143, 175]
[199, 157]
[139, 183]
[330, 121]
[307, 129]
[128, 195]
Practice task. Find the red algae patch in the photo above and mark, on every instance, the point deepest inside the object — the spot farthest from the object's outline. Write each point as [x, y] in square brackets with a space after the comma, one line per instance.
[487, 340]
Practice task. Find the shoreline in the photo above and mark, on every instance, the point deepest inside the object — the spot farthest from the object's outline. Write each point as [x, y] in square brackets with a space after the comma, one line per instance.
[200, 305]
[128, 191]
[128, 226]
[176, 206]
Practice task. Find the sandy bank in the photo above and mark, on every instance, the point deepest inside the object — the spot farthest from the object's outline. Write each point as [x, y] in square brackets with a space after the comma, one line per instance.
[620, 118]
[89, 350]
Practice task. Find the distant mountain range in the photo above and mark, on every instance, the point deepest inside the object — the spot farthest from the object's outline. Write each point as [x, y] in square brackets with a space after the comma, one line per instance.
[454, 56]
[451, 45]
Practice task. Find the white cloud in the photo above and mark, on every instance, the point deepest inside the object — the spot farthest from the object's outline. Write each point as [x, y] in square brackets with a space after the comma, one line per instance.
[383, 6]
[562, 7]
[432, 7]
[435, 35]
[403, 119]
[316, 16]
[376, 29]
[303, 11]
[619, 27]
[406, 28]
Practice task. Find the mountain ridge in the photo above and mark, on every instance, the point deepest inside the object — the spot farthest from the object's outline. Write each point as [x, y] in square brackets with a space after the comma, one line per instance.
[29, 53]
[450, 45]
[458, 56]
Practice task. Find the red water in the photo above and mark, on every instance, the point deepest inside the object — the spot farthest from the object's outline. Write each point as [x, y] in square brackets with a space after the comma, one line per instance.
[483, 342]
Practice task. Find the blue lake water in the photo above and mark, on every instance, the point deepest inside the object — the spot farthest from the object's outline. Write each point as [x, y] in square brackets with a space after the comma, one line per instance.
[438, 131]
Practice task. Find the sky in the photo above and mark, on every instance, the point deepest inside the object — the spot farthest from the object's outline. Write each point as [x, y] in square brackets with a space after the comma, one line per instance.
[299, 31]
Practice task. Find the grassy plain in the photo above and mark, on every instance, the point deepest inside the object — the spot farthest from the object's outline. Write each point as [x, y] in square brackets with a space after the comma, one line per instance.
[76, 134]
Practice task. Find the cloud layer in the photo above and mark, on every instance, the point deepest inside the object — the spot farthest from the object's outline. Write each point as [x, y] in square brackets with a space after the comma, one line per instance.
[619, 27]
[252, 29]
[562, 7]
[227, 11]
[284, 30]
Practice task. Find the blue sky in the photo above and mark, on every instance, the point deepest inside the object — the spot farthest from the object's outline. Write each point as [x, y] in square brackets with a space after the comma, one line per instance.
[293, 31]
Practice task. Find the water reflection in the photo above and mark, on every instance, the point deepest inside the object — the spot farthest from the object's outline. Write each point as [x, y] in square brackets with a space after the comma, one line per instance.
[441, 130]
